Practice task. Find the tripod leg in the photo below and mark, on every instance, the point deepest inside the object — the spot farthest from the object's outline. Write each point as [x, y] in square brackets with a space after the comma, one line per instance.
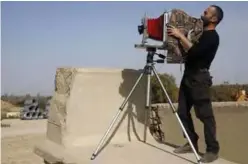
[175, 112]
[148, 101]
[117, 115]
[148, 88]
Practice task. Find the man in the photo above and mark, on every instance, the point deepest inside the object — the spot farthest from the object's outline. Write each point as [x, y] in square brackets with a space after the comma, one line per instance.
[196, 83]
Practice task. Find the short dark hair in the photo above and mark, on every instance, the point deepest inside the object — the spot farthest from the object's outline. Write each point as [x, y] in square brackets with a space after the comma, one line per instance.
[219, 13]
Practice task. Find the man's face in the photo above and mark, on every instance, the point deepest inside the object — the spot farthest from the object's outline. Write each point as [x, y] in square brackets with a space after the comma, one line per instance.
[209, 16]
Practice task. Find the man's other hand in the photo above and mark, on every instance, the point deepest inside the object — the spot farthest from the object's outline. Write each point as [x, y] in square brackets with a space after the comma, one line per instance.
[172, 31]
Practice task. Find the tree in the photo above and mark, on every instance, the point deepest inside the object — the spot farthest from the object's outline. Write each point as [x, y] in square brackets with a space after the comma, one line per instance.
[169, 83]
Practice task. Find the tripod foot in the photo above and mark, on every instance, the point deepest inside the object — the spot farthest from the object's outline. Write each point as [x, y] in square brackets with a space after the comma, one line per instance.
[93, 157]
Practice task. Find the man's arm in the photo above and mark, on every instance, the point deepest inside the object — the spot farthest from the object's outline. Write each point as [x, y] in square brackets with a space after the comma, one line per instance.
[185, 42]
[205, 42]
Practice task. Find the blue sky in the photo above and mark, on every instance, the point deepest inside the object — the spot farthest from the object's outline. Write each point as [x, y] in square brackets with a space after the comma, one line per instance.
[38, 37]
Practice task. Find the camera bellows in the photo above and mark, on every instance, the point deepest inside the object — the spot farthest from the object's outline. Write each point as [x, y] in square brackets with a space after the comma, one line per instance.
[155, 28]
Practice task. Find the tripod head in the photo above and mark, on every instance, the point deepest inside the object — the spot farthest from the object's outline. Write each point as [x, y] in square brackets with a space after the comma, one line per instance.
[151, 52]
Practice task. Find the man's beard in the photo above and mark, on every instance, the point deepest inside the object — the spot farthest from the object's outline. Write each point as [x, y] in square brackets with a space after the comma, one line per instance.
[205, 21]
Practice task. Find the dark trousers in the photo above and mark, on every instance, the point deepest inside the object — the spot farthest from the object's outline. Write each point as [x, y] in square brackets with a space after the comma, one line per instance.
[195, 92]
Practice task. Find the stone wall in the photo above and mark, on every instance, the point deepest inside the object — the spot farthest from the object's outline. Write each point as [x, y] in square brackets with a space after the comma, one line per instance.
[232, 129]
[215, 104]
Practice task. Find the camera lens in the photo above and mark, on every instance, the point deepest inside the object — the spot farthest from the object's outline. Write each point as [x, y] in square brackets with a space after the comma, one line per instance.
[141, 29]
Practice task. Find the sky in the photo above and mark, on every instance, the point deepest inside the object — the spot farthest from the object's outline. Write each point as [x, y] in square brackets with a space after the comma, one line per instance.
[38, 37]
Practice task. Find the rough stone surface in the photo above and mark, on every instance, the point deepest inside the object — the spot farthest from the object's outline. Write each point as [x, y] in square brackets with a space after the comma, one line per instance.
[57, 116]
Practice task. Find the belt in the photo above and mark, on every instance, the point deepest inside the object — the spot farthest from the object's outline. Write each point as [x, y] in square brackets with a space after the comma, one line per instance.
[203, 70]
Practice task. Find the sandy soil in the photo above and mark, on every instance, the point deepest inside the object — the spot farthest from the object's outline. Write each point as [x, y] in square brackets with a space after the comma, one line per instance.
[8, 107]
[18, 141]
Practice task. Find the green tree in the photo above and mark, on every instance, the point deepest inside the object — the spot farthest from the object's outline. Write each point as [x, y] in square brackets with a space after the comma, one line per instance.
[169, 83]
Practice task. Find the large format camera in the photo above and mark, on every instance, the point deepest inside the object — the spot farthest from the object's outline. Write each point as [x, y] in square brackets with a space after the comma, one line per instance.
[156, 29]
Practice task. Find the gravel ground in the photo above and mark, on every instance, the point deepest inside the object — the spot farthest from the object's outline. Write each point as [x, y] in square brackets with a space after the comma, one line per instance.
[17, 141]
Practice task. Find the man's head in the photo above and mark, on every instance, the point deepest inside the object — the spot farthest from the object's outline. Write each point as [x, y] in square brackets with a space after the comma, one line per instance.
[212, 16]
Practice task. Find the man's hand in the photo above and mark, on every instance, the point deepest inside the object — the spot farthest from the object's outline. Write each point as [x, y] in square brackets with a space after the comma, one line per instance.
[172, 31]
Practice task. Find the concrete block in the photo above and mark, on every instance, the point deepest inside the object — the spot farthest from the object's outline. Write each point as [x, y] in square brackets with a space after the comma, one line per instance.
[83, 105]
[85, 101]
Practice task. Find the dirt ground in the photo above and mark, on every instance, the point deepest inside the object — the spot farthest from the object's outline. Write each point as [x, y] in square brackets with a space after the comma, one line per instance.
[18, 141]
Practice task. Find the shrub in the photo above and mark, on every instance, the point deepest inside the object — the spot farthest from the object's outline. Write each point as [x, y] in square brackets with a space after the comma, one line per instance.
[169, 83]
[226, 92]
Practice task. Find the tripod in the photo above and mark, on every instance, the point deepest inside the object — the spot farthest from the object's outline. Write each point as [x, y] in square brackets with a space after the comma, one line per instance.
[148, 69]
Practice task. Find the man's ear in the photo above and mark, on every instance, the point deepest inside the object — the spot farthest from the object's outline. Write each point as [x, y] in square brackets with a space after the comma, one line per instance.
[214, 19]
